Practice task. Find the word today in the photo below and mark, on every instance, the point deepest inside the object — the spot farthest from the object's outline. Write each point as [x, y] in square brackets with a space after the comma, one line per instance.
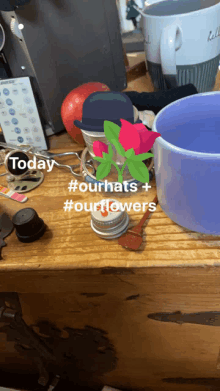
[32, 164]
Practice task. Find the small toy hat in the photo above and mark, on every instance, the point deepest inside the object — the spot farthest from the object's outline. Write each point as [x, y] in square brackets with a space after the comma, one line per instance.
[105, 106]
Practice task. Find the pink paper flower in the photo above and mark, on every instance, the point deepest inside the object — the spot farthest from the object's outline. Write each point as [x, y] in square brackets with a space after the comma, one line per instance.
[99, 147]
[136, 137]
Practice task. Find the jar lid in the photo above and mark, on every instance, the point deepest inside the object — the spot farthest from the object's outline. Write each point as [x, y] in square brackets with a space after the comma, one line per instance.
[109, 220]
[113, 235]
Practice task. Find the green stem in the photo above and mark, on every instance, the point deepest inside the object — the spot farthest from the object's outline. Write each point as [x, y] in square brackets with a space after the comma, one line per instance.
[120, 176]
[123, 167]
[114, 164]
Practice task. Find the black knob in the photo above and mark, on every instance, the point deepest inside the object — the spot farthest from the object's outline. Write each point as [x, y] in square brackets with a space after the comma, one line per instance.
[29, 226]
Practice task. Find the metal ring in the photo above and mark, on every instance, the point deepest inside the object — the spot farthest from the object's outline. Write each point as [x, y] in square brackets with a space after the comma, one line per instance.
[74, 173]
[84, 169]
[30, 147]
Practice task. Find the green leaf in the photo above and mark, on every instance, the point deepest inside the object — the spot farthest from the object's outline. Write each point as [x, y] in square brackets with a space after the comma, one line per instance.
[120, 178]
[138, 171]
[103, 170]
[106, 156]
[110, 151]
[129, 153]
[99, 159]
[142, 156]
[118, 147]
[111, 131]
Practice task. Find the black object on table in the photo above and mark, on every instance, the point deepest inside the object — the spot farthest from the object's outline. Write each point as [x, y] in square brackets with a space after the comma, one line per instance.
[156, 101]
[29, 226]
[6, 228]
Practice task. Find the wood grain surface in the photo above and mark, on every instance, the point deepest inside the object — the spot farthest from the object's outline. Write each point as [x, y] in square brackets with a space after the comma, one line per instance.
[69, 241]
[72, 278]
[151, 355]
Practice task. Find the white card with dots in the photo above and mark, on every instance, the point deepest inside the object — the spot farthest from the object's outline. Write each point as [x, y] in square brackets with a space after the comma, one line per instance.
[19, 118]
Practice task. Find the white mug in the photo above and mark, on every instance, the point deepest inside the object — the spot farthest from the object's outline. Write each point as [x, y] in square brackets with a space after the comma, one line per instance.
[182, 43]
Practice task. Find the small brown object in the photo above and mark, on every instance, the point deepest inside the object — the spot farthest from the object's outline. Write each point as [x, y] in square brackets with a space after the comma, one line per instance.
[133, 237]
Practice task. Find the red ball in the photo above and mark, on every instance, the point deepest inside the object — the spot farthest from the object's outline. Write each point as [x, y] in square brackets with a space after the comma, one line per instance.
[72, 107]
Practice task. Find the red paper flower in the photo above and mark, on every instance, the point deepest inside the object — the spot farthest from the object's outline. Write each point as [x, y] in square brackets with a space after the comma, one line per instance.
[136, 137]
[99, 147]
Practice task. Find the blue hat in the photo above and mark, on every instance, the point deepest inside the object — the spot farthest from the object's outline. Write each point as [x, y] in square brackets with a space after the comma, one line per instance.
[105, 106]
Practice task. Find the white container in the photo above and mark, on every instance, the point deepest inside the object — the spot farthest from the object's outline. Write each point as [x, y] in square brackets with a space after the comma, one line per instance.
[106, 222]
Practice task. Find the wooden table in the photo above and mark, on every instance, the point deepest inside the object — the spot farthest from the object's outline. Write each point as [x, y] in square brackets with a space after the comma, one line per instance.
[73, 278]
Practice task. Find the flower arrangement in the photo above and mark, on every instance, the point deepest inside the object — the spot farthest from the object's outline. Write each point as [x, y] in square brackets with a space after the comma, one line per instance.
[132, 142]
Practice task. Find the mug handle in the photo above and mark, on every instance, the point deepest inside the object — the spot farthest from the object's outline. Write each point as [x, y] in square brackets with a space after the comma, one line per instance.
[170, 42]
[140, 10]
[2, 38]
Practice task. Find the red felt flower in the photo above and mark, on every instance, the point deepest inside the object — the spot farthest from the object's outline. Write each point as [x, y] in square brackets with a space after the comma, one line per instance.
[99, 147]
[136, 137]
